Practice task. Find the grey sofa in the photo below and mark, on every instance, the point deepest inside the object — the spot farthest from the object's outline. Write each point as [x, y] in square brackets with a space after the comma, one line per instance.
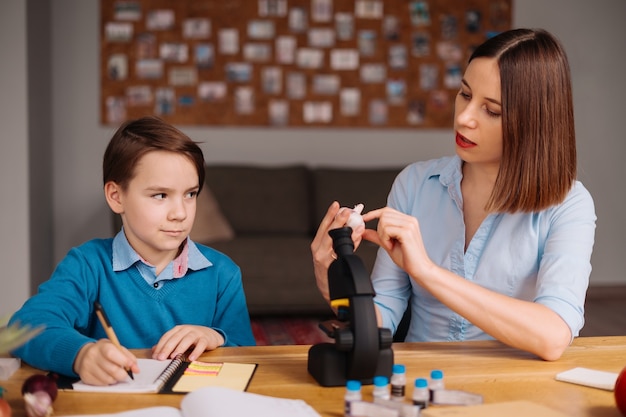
[272, 215]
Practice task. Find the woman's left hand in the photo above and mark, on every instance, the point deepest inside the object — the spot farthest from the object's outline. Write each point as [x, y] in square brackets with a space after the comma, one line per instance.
[181, 338]
[322, 244]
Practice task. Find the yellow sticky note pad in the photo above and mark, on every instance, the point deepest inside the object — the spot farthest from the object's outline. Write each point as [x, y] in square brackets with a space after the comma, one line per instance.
[215, 374]
[204, 368]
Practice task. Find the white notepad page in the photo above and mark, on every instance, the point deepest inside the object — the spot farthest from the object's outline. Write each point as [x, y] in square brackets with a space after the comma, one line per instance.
[145, 381]
[589, 377]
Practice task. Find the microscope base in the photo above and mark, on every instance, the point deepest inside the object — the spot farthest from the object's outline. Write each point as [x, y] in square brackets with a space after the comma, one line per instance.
[329, 366]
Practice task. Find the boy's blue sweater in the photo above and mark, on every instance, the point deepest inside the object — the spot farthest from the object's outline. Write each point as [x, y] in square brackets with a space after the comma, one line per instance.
[140, 314]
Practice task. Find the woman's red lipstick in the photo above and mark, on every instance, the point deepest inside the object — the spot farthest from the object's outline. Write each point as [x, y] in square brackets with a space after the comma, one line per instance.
[463, 142]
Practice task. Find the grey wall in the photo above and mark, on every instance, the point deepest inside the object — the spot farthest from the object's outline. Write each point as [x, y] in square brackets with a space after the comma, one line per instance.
[14, 176]
[592, 32]
[39, 139]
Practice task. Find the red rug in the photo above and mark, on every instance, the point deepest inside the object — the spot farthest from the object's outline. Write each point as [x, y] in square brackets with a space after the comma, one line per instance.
[288, 331]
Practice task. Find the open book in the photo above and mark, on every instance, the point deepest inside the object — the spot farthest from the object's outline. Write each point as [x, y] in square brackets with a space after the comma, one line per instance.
[178, 376]
[218, 402]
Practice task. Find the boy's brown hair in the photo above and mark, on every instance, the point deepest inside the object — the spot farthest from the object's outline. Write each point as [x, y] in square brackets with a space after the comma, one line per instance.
[135, 138]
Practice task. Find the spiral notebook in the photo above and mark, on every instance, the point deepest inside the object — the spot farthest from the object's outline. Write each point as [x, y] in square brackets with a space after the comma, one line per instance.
[178, 376]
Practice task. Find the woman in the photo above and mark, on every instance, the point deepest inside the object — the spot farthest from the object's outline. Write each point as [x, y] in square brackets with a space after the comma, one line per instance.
[496, 241]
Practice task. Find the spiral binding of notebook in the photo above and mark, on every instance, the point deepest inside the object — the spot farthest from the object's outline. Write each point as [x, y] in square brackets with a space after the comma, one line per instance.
[169, 376]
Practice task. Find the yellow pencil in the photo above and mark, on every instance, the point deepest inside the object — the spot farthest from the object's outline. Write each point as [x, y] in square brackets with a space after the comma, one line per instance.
[109, 330]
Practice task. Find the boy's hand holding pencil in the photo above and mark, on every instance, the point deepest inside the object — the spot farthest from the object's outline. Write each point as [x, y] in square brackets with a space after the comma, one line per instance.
[109, 331]
[105, 362]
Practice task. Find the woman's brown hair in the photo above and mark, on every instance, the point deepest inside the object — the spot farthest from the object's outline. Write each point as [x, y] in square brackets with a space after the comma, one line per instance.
[538, 165]
[135, 138]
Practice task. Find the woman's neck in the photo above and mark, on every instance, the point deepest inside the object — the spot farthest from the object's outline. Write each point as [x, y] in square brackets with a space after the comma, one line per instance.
[480, 176]
[476, 188]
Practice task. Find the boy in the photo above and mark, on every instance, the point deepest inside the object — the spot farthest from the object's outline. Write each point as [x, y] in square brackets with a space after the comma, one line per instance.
[159, 289]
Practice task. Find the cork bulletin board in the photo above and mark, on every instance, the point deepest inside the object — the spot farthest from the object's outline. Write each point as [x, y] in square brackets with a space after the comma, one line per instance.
[335, 63]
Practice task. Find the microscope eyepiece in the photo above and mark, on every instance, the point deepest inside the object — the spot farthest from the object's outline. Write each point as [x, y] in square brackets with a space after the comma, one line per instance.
[342, 241]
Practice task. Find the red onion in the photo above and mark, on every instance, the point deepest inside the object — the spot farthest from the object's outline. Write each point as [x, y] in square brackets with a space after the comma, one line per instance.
[39, 393]
[40, 382]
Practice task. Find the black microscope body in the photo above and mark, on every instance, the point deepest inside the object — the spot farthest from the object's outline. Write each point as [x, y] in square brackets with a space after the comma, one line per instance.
[361, 350]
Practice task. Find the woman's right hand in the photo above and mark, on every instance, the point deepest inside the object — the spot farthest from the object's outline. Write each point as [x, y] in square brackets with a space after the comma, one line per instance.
[399, 234]
[103, 363]
[322, 245]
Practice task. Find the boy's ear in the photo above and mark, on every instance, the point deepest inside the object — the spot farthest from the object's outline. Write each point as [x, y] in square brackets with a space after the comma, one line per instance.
[113, 195]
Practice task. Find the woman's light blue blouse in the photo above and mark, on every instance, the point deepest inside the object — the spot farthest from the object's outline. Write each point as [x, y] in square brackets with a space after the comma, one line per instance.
[542, 257]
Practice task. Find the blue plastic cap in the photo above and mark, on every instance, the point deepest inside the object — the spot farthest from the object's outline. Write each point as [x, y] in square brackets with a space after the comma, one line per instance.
[353, 385]
[421, 383]
[399, 369]
[436, 374]
[381, 381]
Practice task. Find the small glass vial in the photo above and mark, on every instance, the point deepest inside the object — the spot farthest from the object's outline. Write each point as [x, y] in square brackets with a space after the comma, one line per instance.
[436, 382]
[398, 382]
[353, 393]
[381, 387]
[421, 394]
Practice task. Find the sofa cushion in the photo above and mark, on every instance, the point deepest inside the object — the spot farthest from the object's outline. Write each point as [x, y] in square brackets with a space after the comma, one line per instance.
[263, 200]
[276, 281]
[350, 187]
[210, 224]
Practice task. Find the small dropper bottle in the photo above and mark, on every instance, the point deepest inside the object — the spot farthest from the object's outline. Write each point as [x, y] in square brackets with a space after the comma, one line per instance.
[436, 382]
[381, 387]
[353, 393]
[421, 393]
[398, 382]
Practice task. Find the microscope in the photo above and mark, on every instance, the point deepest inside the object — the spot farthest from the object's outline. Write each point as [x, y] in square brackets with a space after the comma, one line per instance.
[361, 350]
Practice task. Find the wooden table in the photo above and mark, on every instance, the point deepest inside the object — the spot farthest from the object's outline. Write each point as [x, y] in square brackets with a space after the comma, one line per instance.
[496, 371]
